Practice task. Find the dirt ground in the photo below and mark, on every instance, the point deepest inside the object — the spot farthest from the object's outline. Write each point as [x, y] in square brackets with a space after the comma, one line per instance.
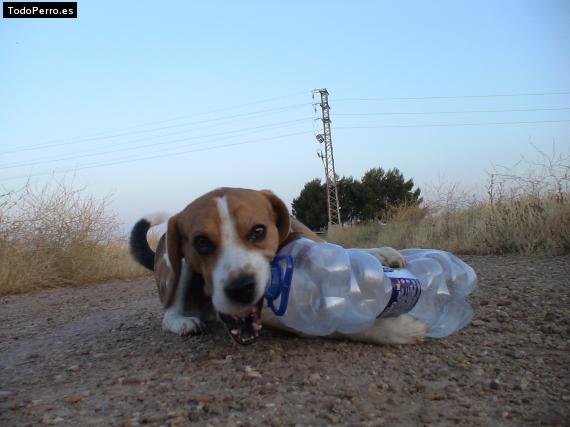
[97, 356]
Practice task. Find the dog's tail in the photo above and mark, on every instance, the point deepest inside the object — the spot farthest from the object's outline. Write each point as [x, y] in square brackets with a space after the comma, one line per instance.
[138, 243]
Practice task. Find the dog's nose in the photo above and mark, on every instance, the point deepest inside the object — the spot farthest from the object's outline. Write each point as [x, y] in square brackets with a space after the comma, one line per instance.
[242, 289]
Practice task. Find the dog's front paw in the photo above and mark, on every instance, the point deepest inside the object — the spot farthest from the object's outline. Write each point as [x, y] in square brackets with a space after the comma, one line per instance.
[182, 325]
[388, 256]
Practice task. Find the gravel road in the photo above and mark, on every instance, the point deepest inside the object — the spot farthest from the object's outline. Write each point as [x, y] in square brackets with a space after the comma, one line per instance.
[97, 356]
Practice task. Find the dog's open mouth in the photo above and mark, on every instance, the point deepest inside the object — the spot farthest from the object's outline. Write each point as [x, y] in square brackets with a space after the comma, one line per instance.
[244, 327]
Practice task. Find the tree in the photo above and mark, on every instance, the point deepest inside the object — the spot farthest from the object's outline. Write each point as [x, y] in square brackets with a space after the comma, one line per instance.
[351, 199]
[382, 190]
[364, 200]
[311, 206]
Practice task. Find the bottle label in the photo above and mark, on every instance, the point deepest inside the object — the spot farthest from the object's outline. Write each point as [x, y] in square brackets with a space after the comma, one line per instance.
[406, 290]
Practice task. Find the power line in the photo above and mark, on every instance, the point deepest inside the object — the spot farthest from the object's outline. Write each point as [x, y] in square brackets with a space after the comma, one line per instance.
[452, 112]
[107, 135]
[276, 110]
[497, 95]
[156, 144]
[449, 124]
[217, 110]
[243, 131]
[254, 129]
[248, 130]
[163, 135]
[132, 160]
[95, 138]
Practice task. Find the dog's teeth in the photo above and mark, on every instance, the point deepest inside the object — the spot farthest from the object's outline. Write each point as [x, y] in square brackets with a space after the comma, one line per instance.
[234, 331]
[257, 326]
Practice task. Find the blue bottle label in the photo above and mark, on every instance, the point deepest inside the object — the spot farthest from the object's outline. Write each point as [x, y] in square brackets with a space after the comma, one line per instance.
[406, 290]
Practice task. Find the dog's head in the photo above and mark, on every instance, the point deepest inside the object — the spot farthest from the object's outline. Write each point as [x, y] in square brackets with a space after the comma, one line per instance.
[228, 237]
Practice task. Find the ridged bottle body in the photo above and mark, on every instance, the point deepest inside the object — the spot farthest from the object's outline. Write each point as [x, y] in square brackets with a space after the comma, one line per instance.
[346, 290]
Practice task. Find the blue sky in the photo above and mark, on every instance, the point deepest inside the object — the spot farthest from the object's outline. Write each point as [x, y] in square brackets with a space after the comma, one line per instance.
[131, 80]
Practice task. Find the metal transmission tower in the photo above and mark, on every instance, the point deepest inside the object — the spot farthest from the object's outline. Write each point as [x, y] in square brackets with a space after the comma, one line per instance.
[327, 158]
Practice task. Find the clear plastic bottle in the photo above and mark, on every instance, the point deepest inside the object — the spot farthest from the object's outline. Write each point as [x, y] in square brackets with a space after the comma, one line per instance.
[322, 288]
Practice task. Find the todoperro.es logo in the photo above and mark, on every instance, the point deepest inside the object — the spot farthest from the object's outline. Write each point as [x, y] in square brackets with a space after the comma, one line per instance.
[50, 9]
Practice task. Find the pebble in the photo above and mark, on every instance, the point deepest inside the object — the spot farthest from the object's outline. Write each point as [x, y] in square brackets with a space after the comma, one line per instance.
[333, 419]
[535, 339]
[436, 396]
[548, 316]
[522, 384]
[421, 386]
[313, 379]
[501, 315]
[550, 329]
[252, 373]
[74, 398]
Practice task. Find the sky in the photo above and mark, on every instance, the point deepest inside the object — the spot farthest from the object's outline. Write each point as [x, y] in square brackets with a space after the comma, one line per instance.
[156, 103]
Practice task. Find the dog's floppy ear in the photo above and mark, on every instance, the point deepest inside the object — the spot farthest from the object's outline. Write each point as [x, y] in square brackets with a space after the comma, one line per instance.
[174, 250]
[282, 218]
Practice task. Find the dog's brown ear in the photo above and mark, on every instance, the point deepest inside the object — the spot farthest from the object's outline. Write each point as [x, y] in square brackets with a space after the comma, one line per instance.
[174, 250]
[282, 218]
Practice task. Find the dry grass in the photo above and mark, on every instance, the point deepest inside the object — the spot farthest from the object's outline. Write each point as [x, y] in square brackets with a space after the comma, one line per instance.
[526, 211]
[57, 236]
[522, 226]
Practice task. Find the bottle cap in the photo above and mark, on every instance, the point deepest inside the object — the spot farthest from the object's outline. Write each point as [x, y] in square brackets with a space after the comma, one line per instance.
[281, 275]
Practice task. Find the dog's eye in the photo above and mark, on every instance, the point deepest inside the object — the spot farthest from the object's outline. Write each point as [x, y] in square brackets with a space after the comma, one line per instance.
[203, 245]
[257, 233]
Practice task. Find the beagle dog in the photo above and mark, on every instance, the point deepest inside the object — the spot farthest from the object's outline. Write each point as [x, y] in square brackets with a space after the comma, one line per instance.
[213, 262]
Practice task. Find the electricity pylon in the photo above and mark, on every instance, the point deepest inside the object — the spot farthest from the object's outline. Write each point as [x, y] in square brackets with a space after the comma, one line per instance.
[333, 206]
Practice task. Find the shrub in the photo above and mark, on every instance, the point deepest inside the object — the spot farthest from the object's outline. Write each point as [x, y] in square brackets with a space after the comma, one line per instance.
[56, 235]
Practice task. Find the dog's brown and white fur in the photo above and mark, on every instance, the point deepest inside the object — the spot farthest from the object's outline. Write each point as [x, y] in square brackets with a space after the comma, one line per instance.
[215, 260]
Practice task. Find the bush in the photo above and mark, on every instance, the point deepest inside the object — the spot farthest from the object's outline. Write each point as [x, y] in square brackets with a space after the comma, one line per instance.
[527, 211]
[525, 225]
[56, 235]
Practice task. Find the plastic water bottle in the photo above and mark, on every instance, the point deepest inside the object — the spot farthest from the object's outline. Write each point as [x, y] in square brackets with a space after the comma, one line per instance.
[322, 288]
